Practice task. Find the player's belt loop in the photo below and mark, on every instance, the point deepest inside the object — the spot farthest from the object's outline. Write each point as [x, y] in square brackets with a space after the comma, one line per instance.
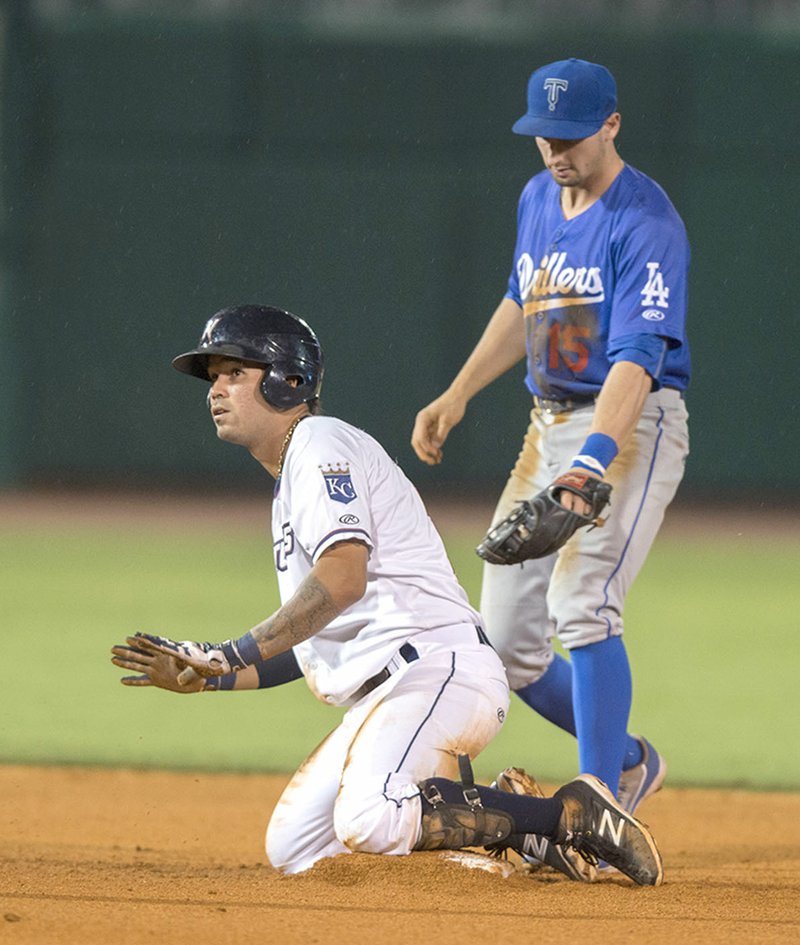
[409, 653]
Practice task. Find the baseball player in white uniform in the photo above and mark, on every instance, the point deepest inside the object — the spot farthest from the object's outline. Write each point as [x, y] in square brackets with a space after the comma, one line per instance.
[373, 617]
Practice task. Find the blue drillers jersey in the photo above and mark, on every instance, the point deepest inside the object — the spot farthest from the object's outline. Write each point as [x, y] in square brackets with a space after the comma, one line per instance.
[618, 269]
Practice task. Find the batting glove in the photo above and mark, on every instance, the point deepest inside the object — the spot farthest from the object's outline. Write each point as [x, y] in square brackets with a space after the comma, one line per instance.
[206, 659]
[157, 669]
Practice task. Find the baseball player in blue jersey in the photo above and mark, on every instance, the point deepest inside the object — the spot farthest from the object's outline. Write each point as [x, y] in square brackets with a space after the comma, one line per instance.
[596, 303]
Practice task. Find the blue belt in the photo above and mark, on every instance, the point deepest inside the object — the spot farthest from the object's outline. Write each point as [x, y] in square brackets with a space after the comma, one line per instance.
[409, 654]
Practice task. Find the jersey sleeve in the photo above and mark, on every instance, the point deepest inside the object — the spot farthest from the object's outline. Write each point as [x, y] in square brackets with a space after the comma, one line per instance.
[651, 287]
[645, 349]
[330, 490]
[513, 290]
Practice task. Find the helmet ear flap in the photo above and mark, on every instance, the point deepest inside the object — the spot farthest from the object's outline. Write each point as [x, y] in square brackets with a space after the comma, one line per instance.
[276, 389]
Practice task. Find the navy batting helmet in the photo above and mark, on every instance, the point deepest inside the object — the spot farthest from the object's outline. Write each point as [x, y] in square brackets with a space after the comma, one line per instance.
[282, 342]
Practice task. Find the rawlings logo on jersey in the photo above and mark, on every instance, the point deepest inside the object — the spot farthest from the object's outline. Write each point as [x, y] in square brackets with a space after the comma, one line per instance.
[554, 284]
[339, 484]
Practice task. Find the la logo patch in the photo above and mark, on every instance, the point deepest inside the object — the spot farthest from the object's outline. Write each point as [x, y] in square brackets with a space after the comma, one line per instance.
[655, 291]
[339, 484]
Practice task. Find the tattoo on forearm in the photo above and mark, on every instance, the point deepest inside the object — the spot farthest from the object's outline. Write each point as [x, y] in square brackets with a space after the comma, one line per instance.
[309, 610]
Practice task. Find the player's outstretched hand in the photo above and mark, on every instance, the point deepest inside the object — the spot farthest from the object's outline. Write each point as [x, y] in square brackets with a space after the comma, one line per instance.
[432, 425]
[154, 668]
[206, 659]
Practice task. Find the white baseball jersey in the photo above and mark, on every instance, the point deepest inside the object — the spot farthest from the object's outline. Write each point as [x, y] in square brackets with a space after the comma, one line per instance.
[338, 483]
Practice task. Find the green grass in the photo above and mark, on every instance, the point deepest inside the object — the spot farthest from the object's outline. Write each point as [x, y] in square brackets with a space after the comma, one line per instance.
[711, 631]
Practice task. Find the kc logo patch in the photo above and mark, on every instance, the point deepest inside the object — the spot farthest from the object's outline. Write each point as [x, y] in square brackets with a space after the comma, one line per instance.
[339, 484]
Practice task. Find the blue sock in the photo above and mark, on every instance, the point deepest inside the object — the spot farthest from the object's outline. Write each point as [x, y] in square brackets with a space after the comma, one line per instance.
[551, 697]
[602, 700]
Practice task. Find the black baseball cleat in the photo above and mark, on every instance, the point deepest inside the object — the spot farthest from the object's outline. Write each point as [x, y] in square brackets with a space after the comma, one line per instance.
[596, 826]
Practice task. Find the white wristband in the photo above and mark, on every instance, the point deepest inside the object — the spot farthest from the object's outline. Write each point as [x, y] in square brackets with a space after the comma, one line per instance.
[588, 462]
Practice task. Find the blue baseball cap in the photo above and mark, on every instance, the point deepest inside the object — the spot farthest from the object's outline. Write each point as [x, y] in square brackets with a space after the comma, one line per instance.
[568, 99]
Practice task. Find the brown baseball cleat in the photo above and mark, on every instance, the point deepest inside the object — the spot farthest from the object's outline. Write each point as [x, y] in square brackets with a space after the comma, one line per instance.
[535, 849]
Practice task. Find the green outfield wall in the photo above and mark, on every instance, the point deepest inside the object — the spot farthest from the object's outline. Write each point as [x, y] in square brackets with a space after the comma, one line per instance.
[157, 170]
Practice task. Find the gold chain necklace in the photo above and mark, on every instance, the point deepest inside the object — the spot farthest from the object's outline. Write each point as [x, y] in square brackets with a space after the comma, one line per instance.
[286, 439]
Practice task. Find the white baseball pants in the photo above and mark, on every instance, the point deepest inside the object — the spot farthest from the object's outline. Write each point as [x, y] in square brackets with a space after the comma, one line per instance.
[358, 791]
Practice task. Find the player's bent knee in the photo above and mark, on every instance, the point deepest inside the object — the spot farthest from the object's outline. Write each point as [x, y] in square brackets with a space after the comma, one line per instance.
[525, 655]
[281, 852]
[290, 850]
[524, 667]
[296, 852]
[586, 633]
[377, 823]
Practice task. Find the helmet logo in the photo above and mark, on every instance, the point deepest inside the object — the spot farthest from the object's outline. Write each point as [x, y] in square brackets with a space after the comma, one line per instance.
[208, 332]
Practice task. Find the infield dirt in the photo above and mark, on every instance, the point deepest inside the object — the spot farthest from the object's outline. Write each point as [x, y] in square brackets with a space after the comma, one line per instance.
[121, 857]
[117, 857]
